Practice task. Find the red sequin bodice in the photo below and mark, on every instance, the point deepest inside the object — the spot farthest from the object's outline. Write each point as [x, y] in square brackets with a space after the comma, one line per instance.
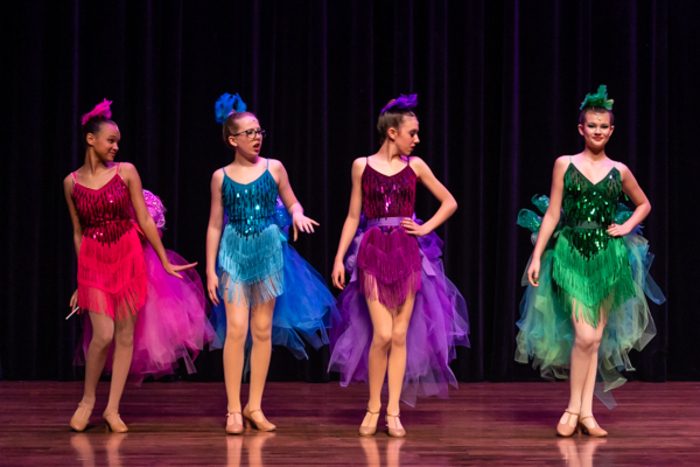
[104, 213]
[388, 196]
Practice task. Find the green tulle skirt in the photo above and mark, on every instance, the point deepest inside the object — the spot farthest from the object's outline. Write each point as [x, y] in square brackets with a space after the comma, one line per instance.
[615, 280]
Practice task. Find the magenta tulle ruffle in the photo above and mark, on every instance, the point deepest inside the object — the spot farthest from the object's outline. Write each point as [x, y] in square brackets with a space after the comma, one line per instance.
[389, 264]
[172, 326]
[439, 323]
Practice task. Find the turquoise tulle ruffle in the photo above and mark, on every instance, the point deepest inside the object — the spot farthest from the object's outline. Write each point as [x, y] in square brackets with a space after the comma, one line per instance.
[546, 331]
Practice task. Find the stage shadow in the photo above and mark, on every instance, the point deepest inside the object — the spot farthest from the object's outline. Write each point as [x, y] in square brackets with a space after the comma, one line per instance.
[579, 452]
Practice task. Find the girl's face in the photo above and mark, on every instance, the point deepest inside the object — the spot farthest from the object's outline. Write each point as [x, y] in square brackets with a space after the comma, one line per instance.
[596, 129]
[406, 138]
[105, 143]
[248, 139]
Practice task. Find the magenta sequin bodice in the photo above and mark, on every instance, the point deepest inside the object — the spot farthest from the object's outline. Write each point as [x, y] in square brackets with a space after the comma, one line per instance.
[104, 213]
[388, 196]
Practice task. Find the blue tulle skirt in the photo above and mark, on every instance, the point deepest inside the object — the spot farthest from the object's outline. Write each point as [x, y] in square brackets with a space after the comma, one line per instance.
[304, 306]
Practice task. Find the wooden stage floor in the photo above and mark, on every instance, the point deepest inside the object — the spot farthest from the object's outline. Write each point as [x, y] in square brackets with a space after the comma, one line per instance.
[481, 424]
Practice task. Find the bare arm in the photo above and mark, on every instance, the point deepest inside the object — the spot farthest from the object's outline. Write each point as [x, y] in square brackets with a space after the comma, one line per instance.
[68, 185]
[448, 204]
[299, 220]
[550, 219]
[640, 200]
[351, 223]
[216, 220]
[131, 177]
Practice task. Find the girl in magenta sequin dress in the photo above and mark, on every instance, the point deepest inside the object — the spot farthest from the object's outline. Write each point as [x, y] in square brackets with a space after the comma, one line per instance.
[399, 314]
[120, 276]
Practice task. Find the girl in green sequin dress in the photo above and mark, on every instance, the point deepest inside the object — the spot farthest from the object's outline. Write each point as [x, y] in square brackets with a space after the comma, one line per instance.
[584, 307]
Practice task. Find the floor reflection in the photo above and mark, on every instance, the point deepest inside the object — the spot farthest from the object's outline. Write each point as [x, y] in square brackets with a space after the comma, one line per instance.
[579, 452]
[373, 456]
[252, 443]
[82, 445]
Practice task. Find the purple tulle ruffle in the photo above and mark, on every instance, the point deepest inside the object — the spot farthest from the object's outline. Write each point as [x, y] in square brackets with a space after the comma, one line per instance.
[439, 323]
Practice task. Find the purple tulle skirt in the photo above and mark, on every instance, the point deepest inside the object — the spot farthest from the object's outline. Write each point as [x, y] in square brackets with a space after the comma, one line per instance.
[172, 326]
[439, 321]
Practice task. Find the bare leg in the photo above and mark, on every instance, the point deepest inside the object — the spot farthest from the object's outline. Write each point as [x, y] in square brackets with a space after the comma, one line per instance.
[234, 351]
[587, 397]
[381, 343]
[102, 335]
[261, 332]
[123, 352]
[397, 359]
[581, 355]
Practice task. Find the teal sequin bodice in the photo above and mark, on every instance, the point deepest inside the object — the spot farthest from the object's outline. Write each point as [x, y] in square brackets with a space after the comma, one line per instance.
[251, 207]
[589, 208]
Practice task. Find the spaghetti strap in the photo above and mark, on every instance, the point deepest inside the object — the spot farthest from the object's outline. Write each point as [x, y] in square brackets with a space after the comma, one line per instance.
[267, 164]
[408, 161]
[570, 160]
[75, 179]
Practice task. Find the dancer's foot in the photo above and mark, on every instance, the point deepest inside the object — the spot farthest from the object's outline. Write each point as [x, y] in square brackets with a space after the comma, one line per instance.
[369, 424]
[568, 423]
[590, 426]
[256, 419]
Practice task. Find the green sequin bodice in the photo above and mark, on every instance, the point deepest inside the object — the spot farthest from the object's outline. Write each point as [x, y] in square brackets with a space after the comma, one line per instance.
[589, 209]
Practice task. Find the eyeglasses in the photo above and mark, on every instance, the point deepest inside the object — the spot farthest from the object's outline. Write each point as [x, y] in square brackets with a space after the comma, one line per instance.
[251, 134]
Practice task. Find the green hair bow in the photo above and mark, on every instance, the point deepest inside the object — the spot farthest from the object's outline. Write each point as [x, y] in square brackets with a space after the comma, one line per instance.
[599, 99]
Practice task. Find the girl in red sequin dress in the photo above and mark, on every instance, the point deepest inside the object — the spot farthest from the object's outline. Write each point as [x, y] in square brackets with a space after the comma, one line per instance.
[400, 316]
[112, 272]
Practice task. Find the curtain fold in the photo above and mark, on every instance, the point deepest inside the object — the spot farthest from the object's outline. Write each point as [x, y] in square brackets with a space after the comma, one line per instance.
[499, 86]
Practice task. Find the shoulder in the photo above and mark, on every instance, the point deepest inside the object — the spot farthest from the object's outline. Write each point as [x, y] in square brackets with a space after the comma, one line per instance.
[358, 166]
[274, 165]
[360, 162]
[127, 168]
[625, 171]
[621, 167]
[563, 161]
[218, 175]
[68, 182]
[417, 162]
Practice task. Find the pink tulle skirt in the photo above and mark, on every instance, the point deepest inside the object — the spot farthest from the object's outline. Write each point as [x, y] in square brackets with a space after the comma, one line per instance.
[171, 327]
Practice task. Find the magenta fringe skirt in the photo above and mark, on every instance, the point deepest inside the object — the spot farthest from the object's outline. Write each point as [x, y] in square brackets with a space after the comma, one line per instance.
[387, 264]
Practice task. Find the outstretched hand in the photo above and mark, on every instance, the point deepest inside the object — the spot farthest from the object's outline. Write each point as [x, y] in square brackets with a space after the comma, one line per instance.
[303, 223]
[173, 270]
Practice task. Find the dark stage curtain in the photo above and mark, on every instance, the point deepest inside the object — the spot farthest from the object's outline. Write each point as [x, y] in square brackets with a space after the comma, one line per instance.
[499, 85]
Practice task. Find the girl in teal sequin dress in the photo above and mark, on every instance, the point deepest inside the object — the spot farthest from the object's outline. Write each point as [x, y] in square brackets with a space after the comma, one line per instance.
[270, 294]
[584, 307]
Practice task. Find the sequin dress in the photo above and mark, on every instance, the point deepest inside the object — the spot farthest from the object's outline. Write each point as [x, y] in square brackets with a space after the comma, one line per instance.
[111, 267]
[172, 325]
[256, 264]
[586, 273]
[387, 264]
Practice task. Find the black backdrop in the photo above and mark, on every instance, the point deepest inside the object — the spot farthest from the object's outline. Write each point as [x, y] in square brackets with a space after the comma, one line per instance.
[499, 84]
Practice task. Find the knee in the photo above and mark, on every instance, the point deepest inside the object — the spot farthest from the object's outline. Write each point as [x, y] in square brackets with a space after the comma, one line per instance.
[587, 343]
[236, 330]
[398, 337]
[125, 338]
[261, 332]
[102, 339]
[382, 339]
